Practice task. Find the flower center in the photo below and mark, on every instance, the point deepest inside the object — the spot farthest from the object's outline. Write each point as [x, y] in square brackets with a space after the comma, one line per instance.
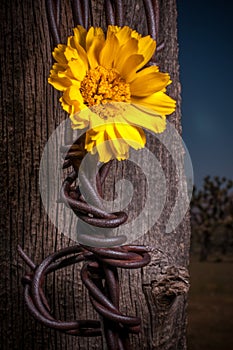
[101, 86]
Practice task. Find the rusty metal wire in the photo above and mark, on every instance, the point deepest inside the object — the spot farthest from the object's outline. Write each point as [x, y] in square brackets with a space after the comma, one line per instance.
[99, 270]
[99, 274]
[114, 12]
[80, 10]
[53, 15]
[91, 214]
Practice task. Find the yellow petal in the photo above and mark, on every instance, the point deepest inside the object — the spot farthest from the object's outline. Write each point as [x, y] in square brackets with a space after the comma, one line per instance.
[74, 94]
[135, 35]
[107, 143]
[113, 29]
[60, 84]
[146, 47]
[92, 34]
[116, 142]
[58, 54]
[67, 105]
[96, 121]
[72, 100]
[158, 102]
[120, 149]
[123, 34]
[145, 119]
[148, 84]
[94, 133]
[57, 67]
[128, 70]
[69, 76]
[89, 143]
[94, 43]
[95, 142]
[142, 73]
[125, 51]
[105, 152]
[109, 51]
[78, 69]
[82, 55]
[133, 135]
[80, 120]
[80, 34]
[71, 53]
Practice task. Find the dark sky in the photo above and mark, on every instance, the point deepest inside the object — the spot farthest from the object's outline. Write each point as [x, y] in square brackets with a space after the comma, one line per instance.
[205, 32]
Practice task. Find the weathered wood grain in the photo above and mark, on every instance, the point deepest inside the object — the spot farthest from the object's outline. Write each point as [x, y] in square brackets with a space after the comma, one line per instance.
[30, 112]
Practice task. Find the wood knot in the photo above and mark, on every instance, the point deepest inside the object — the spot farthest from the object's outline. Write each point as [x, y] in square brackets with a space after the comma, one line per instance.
[171, 282]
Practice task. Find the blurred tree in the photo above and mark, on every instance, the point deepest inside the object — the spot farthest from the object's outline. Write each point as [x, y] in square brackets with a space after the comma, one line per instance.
[212, 216]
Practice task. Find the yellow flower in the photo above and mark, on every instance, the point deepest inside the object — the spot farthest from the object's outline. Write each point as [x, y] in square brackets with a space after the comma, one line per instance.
[103, 83]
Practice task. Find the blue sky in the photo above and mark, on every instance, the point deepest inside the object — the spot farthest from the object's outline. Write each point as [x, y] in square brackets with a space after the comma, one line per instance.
[206, 69]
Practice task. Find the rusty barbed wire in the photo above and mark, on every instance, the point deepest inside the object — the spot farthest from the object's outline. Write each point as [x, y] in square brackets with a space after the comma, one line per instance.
[99, 271]
[100, 264]
[114, 14]
[98, 232]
